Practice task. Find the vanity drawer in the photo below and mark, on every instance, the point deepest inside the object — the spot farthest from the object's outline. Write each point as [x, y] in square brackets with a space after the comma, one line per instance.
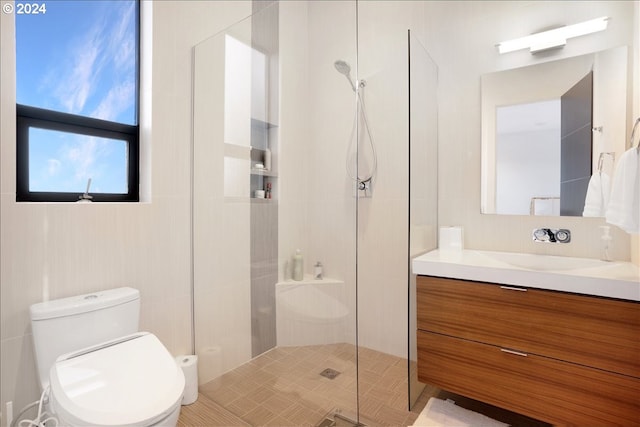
[591, 331]
[546, 389]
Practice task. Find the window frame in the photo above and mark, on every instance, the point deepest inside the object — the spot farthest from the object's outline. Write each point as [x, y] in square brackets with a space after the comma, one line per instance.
[34, 117]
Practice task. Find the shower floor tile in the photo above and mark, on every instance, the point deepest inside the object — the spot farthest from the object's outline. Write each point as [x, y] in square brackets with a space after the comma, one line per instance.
[283, 387]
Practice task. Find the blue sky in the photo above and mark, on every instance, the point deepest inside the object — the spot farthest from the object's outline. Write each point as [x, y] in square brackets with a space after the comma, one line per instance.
[78, 57]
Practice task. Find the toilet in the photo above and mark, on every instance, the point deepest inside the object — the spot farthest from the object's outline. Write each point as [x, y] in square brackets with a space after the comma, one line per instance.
[100, 370]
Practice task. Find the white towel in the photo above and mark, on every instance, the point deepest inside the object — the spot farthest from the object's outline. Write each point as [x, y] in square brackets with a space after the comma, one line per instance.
[624, 205]
[598, 194]
[445, 413]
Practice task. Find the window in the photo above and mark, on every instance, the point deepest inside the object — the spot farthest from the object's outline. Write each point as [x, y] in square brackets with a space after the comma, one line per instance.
[77, 90]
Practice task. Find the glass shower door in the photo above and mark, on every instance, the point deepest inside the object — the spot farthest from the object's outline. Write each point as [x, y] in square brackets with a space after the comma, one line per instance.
[423, 180]
[273, 119]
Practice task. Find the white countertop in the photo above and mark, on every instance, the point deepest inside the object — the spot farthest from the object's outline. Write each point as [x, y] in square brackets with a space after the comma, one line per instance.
[567, 274]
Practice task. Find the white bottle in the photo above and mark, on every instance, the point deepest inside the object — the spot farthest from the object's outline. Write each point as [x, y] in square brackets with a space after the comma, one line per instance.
[267, 159]
[298, 269]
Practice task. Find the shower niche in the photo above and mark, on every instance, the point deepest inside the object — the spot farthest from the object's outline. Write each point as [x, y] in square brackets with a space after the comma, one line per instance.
[264, 171]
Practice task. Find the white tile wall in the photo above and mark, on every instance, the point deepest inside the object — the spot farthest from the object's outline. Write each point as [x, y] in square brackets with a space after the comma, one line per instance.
[294, 138]
[382, 220]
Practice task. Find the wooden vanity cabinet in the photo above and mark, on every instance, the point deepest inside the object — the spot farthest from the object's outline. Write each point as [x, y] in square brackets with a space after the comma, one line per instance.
[562, 358]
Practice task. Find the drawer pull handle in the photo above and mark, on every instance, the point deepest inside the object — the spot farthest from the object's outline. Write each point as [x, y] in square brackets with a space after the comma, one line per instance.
[517, 353]
[511, 288]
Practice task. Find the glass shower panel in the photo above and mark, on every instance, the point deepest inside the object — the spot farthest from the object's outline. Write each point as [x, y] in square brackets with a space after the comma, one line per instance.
[423, 179]
[221, 202]
[272, 125]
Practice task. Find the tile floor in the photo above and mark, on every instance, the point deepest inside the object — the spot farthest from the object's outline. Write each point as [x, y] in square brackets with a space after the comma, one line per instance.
[283, 387]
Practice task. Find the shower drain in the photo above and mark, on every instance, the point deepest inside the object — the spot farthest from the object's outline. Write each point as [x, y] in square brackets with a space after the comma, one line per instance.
[337, 418]
[330, 373]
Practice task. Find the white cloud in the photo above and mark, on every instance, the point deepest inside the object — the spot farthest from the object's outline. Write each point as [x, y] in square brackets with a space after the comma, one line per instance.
[116, 101]
[121, 46]
[102, 54]
[53, 166]
[82, 156]
[78, 80]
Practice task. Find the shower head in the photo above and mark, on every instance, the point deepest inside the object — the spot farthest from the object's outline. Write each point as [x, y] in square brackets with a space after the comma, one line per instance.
[344, 68]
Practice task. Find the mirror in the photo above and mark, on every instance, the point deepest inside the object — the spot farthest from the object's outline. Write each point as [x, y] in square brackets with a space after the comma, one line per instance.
[547, 128]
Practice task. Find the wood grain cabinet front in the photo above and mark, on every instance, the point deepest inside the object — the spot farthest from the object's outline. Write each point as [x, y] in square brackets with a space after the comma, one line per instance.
[562, 358]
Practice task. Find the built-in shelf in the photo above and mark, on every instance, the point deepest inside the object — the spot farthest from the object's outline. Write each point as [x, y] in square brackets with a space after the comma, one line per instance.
[264, 143]
[263, 172]
[309, 280]
[238, 199]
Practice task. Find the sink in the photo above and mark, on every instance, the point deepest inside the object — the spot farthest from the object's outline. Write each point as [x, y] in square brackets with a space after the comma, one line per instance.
[546, 262]
[586, 276]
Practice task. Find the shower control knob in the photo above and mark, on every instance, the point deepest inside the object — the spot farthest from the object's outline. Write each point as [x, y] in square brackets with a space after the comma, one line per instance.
[540, 234]
[563, 236]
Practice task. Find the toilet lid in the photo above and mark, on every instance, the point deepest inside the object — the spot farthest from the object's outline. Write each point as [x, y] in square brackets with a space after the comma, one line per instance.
[131, 381]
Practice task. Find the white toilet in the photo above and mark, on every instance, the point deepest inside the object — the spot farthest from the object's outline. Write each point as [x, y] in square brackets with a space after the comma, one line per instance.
[101, 370]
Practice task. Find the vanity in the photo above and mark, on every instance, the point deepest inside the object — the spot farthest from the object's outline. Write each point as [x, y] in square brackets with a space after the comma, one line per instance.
[553, 338]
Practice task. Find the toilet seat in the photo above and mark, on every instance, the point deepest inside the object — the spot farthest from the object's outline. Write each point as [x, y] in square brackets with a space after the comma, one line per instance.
[131, 381]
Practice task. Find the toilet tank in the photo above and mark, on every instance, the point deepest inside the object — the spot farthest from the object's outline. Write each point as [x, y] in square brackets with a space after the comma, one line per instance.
[69, 324]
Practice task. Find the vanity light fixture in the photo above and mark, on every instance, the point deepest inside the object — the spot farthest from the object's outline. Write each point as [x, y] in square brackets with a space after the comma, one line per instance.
[553, 38]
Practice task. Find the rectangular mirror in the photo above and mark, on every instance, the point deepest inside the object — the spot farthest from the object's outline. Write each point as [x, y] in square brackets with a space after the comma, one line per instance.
[547, 128]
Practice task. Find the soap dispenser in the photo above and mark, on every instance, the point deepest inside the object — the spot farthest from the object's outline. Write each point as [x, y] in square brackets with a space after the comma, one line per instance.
[607, 239]
[298, 269]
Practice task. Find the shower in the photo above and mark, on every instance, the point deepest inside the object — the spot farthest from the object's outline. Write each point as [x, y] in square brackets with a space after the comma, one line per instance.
[259, 334]
[358, 87]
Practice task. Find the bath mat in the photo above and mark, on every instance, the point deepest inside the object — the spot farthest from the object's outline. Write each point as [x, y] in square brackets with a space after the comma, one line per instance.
[442, 413]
